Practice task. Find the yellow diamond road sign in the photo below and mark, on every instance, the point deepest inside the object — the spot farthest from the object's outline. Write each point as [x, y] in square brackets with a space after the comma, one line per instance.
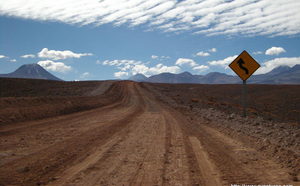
[244, 65]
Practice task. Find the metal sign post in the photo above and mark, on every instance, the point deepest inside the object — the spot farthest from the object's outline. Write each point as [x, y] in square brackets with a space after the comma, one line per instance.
[244, 98]
[244, 66]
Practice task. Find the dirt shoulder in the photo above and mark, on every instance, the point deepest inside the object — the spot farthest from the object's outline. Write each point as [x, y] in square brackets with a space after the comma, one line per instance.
[29, 99]
[277, 103]
[275, 136]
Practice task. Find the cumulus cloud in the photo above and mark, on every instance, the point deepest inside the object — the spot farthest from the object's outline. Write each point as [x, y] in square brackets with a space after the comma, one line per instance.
[85, 75]
[159, 57]
[121, 74]
[274, 51]
[28, 56]
[121, 63]
[209, 17]
[125, 66]
[270, 65]
[57, 55]
[132, 67]
[201, 68]
[224, 62]
[3, 56]
[55, 66]
[140, 69]
[183, 61]
[212, 50]
[202, 54]
[160, 68]
[154, 57]
[256, 53]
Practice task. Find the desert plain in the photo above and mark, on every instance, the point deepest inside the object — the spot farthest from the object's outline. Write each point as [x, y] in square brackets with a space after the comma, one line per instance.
[129, 133]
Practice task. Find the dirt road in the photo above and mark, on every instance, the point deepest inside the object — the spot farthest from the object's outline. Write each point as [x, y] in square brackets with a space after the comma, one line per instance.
[135, 141]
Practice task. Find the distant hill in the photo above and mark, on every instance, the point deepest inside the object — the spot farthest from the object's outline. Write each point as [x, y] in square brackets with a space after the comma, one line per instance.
[291, 76]
[138, 78]
[31, 71]
[172, 78]
[279, 75]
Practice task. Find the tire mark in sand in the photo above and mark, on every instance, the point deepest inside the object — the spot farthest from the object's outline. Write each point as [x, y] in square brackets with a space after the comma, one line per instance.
[176, 167]
[207, 169]
[96, 156]
[121, 126]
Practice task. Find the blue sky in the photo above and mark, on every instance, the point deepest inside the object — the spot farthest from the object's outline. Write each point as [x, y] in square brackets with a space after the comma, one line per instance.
[115, 39]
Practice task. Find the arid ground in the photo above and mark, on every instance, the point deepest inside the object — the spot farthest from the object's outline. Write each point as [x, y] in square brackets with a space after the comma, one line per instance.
[128, 133]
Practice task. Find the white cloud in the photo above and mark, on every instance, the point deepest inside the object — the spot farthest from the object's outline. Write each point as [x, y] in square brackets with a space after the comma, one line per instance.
[121, 74]
[5, 57]
[28, 56]
[274, 51]
[57, 55]
[201, 68]
[213, 50]
[209, 17]
[85, 75]
[256, 53]
[132, 67]
[55, 66]
[140, 69]
[120, 63]
[159, 57]
[124, 66]
[270, 65]
[2, 57]
[160, 68]
[202, 54]
[154, 57]
[223, 63]
[182, 61]
[256, 18]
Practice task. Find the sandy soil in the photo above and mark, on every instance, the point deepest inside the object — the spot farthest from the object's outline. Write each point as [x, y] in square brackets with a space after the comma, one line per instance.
[130, 137]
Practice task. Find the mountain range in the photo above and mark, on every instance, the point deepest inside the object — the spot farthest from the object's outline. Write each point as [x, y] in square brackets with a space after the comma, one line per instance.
[31, 71]
[279, 75]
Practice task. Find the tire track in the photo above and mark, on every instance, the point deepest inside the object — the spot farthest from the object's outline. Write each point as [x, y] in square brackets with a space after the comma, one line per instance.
[208, 170]
[177, 167]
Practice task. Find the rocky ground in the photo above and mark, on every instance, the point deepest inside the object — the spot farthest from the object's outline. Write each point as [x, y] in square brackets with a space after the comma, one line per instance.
[30, 99]
[272, 125]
